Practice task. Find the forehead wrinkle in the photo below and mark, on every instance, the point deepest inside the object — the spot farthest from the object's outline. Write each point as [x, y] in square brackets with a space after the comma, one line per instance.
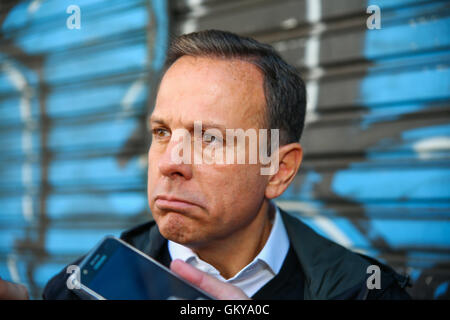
[216, 83]
[244, 74]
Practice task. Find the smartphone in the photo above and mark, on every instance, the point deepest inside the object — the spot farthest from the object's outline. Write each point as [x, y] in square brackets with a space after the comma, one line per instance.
[115, 270]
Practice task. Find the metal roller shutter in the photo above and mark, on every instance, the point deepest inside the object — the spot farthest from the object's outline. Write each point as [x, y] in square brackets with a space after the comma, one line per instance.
[375, 177]
[73, 137]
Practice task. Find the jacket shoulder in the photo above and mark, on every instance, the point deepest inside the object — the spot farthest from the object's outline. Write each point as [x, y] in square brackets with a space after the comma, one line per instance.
[335, 272]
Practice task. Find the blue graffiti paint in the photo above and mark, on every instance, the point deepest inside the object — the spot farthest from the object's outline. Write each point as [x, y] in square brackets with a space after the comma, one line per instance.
[310, 179]
[395, 184]
[418, 85]
[86, 101]
[396, 44]
[392, 4]
[11, 209]
[428, 32]
[7, 239]
[22, 15]
[19, 267]
[12, 144]
[111, 43]
[11, 115]
[12, 176]
[75, 242]
[421, 85]
[6, 83]
[409, 145]
[99, 135]
[305, 196]
[405, 77]
[415, 274]
[441, 290]
[162, 36]
[43, 273]
[427, 259]
[427, 132]
[120, 205]
[97, 22]
[103, 173]
[404, 233]
[129, 58]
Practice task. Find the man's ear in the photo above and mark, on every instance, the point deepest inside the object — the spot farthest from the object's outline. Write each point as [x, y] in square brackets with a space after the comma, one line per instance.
[290, 158]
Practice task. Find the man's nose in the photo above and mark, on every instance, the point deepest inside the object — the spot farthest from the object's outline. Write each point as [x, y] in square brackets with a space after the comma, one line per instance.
[170, 165]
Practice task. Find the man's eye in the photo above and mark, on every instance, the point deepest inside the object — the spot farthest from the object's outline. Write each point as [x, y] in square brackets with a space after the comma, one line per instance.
[160, 133]
[211, 138]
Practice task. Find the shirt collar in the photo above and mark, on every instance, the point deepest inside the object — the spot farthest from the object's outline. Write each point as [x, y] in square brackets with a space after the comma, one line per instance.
[273, 252]
[277, 245]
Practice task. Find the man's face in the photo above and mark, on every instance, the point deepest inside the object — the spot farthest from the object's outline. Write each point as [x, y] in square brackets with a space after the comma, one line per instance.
[194, 204]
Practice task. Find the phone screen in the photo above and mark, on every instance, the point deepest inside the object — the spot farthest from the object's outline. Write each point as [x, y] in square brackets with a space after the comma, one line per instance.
[116, 271]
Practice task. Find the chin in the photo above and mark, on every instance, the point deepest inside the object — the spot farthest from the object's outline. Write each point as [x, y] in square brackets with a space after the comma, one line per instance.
[175, 227]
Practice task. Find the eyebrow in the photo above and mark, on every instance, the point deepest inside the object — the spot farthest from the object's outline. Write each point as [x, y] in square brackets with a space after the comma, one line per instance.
[152, 119]
[205, 124]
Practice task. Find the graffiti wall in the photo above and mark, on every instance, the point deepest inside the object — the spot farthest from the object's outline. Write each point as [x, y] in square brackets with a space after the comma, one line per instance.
[73, 136]
[74, 95]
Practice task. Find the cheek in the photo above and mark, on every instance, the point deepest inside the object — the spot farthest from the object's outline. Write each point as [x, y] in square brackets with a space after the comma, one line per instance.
[251, 186]
[152, 173]
[153, 157]
[247, 179]
[234, 190]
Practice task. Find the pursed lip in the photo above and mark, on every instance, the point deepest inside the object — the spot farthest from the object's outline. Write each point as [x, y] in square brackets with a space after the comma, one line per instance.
[167, 202]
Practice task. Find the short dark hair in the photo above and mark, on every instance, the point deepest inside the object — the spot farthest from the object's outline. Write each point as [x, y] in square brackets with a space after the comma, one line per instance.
[284, 89]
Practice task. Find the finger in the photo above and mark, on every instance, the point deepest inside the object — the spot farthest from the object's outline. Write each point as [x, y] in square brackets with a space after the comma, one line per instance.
[12, 291]
[213, 286]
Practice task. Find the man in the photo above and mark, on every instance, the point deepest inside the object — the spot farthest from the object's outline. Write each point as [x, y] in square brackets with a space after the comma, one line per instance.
[215, 223]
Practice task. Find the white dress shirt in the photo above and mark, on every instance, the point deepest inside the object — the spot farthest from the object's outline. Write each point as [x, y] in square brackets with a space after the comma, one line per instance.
[257, 273]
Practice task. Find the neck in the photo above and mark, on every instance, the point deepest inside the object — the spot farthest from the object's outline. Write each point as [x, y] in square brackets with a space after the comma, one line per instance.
[232, 254]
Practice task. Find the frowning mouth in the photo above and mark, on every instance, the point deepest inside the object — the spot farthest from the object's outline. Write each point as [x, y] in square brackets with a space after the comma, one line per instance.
[165, 202]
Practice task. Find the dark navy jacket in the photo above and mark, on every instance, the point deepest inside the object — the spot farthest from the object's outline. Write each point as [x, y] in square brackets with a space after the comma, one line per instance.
[329, 271]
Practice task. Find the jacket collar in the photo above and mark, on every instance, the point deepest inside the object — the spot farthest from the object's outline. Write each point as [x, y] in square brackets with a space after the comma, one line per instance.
[326, 264]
